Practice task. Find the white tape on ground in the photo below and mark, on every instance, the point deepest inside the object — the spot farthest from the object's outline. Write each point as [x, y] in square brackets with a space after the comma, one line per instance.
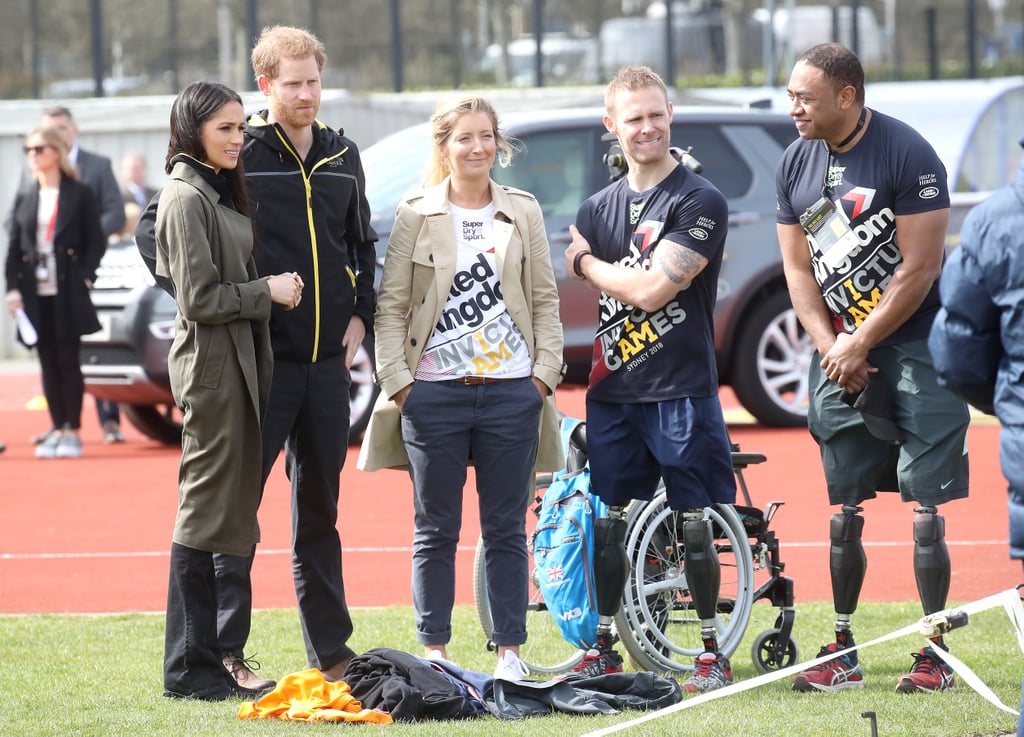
[1009, 600]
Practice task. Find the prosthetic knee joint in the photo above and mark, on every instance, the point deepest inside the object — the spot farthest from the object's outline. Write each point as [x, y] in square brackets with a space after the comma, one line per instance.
[931, 558]
[611, 564]
[703, 573]
[847, 561]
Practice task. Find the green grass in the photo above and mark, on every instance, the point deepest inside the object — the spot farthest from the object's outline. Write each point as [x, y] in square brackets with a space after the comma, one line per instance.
[101, 675]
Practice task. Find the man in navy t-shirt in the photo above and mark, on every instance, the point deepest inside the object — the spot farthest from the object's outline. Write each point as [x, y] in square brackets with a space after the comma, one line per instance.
[652, 244]
[863, 207]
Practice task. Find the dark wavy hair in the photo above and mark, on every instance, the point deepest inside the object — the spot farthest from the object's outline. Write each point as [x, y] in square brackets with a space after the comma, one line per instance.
[193, 106]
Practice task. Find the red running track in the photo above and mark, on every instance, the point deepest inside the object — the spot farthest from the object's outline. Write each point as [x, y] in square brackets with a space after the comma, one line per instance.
[92, 535]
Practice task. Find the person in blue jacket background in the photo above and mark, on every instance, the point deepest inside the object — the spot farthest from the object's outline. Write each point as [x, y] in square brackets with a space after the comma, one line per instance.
[977, 339]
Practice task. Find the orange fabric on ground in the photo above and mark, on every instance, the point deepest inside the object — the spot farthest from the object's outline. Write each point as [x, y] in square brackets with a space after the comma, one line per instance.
[306, 697]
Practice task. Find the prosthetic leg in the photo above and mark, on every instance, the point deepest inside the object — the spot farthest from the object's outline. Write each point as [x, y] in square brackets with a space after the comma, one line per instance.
[931, 561]
[611, 571]
[931, 569]
[703, 573]
[611, 566]
[847, 566]
[711, 669]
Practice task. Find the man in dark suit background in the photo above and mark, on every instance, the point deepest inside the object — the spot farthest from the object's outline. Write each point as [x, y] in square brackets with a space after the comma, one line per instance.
[134, 187]
[97, 173]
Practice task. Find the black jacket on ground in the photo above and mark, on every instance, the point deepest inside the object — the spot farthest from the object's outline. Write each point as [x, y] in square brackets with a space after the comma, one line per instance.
[413, 689]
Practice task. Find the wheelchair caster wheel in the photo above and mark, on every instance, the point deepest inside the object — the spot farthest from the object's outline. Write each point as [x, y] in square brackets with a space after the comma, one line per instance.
[764, 656]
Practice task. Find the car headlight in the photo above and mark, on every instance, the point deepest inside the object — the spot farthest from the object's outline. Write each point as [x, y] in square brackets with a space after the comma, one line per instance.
[162, 330]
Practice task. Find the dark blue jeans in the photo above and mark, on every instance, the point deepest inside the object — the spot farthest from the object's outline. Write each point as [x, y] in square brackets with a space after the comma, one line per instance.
[1020, 719]
[445, 425]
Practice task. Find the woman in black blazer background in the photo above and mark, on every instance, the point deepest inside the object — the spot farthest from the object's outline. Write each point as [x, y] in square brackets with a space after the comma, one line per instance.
[55, 245]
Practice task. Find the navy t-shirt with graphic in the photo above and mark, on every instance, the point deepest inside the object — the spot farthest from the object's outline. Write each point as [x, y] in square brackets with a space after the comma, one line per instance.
[891, 171]
[669, 353]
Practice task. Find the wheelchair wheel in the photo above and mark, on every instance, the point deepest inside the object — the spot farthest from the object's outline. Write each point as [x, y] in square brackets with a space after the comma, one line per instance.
[545, 651]
[762, 652]
[657, 623]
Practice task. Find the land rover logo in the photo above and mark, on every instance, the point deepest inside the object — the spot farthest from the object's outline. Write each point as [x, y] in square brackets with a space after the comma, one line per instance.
[929, 193]
[699, 233]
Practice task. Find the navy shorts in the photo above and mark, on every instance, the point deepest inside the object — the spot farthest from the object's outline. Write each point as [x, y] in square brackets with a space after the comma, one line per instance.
[683, 441]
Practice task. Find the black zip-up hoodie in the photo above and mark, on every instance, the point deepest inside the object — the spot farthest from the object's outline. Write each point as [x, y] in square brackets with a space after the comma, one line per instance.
[311, 217]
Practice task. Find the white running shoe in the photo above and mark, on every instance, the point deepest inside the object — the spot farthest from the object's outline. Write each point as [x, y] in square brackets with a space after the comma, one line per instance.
[511, 668]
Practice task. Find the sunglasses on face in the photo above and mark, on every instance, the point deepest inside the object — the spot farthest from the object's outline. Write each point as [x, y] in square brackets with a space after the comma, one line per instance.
[38, 149]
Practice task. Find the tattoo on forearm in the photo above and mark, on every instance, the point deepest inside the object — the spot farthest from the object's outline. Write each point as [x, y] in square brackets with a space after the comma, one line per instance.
[680, 265]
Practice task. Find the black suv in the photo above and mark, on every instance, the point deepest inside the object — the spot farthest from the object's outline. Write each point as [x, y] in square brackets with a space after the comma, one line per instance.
[762, 351]
[126, 362]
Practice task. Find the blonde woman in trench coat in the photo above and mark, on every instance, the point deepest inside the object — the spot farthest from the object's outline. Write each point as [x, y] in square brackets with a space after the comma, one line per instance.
[469, 351]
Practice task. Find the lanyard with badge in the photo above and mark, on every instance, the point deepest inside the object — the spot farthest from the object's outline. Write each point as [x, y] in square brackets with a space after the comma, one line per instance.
[822, 222]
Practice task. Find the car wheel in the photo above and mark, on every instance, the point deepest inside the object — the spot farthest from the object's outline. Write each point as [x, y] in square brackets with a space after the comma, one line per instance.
[159, 422]
[362, 392]
[771, 358]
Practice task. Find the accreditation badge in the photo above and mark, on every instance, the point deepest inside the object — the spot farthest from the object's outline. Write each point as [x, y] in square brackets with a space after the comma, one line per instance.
[829, 231]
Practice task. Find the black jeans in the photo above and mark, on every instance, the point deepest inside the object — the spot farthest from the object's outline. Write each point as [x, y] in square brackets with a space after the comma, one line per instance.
[234, 601]
[308, 416]
[61, 371]
[192, 660]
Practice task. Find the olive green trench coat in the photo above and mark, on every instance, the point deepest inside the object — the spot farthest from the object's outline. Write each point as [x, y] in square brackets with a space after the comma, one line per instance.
[220, 362]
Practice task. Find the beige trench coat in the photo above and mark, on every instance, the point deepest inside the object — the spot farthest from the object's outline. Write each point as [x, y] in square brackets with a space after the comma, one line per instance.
[418, 270]
[220, 363]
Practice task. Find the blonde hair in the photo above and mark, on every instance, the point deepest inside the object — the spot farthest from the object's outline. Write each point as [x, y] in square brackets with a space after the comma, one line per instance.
[56, 140]
[284, 42]
[631, 79]
[443, 122]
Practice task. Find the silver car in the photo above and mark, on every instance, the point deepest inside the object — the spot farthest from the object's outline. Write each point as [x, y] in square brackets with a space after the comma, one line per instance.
[762, 351]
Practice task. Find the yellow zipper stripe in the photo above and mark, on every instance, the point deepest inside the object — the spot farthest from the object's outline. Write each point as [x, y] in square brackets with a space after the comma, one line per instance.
[312, 233]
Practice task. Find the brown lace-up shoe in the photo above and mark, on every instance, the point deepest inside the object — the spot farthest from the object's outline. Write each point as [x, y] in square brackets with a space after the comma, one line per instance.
[242, 671]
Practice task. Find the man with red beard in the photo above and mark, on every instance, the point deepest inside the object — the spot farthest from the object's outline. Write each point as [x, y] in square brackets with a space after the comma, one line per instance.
[310, 216]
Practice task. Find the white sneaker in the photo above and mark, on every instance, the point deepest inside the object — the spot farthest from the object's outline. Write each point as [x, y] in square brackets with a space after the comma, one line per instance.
[436, 656]
[511, 668]
[47, 448]
[69, 446]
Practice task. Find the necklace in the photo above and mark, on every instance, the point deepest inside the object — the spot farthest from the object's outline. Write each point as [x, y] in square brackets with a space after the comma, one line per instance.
[853, 134]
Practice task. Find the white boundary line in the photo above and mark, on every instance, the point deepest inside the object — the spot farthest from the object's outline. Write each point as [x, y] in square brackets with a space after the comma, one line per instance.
[408, 549]
[1009, 600]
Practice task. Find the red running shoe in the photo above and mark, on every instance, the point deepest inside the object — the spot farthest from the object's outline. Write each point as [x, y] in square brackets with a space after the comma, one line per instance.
[598, 661]
[832, 675]
[929, 674]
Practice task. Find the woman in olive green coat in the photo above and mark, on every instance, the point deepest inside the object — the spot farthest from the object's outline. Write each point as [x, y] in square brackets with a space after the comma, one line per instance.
[220, 365]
